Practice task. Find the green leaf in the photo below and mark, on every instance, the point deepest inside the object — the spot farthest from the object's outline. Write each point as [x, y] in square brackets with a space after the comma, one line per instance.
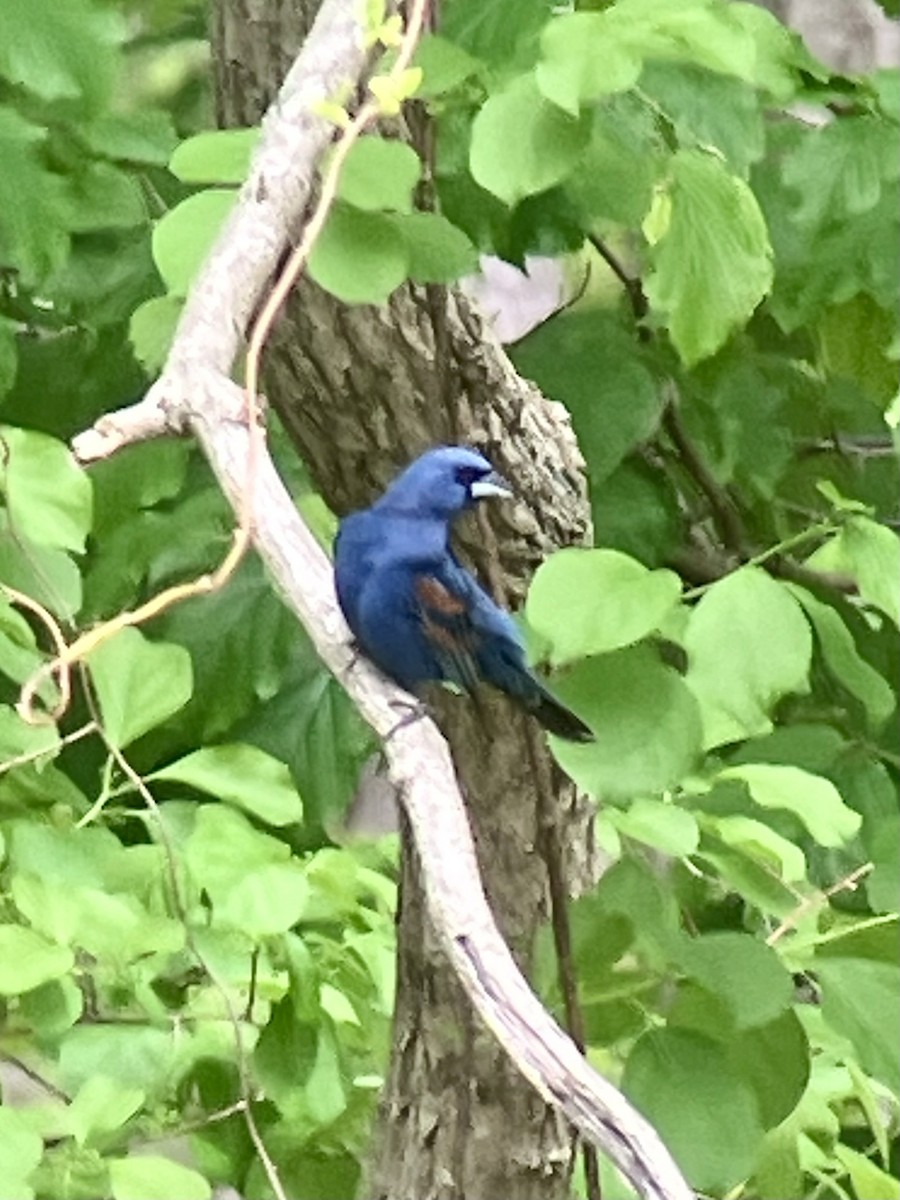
[285, 1053]
[860, 999]
[844, 661]
[146, 136]
[589, 54]
[338, 1006]
[224, 848]
[27, 960]
[620, 164]
[149, 1177]
[522, 144]
[79, 857]
[748, 644]
[393, 89]
[816, 801]
[380, 173]
[683, 1083]
[326, 1096]
[763, 844]
[240, 640]
[775, 1059]
[17, 736]
[665, 827]
[634, 890]
[139, 683]
[21, 1149]
[707, 109]
[184, 236]
[151, 329]
[8, 355]
[871, 554]
[645, 720]
[867, 1178]
[857, 340]
[115, 928]
[438, 251]
[712, 263]
[102, 1105]
[33, 205]
[265, 901]
[883, 846]
[499, 31]
[102, 196]
[240, 775]
[359, 257]
[749, 874]
[444, 65]
[44, 573]
[132, 1055]
[312, 725]
[590, 363]
[48, 495]
[744, 971]
[839, 168]
[59, 53]
[215, 156]
[581, 60]
[584, 602]
[53, 1007]
[636, 510]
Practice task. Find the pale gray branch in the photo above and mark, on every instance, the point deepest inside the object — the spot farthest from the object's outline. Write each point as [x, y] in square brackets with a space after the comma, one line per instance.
[196, 393]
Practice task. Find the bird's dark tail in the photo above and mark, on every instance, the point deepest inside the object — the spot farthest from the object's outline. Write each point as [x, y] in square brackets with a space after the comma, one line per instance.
[555, 717]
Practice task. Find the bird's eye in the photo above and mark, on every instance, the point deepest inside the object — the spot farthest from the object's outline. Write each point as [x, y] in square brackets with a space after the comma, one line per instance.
[467, 475]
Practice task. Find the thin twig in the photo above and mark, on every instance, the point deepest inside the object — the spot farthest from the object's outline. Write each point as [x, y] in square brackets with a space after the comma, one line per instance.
[725, 514]
[213, 1118]
[57, 666]
[631, 283]
[35, 1076]
[811, 903]
[21, 760]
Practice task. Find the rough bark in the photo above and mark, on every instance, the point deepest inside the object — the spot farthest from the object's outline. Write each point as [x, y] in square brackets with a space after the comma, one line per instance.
[361, 390]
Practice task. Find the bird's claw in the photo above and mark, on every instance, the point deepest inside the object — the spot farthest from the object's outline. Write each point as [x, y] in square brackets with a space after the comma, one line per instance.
[414, 712]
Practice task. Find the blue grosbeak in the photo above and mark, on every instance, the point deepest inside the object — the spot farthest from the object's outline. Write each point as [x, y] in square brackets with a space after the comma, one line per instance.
[414, 610]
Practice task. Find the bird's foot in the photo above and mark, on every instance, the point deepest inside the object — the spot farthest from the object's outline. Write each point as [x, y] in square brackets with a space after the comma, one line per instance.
[417, 711]
[356, 653]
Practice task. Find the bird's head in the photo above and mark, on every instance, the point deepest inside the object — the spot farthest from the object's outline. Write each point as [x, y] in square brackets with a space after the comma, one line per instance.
[441, 483]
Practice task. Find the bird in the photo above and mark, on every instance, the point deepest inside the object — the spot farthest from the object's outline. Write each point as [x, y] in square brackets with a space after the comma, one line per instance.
[415, 610]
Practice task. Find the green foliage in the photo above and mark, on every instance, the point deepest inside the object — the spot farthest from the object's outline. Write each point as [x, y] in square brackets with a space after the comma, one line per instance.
[225, 910]
[521, 144]
[563, 609]
[735, 405]
[710, 258]
[183, 237]
[379, 174]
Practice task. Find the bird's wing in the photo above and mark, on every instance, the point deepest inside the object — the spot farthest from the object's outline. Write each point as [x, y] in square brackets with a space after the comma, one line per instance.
[445, 602]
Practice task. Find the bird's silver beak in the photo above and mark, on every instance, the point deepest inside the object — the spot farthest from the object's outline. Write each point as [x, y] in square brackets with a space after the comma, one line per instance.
[490, 485]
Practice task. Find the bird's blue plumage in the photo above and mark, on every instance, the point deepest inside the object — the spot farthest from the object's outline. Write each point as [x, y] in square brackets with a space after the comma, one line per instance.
[414, 609]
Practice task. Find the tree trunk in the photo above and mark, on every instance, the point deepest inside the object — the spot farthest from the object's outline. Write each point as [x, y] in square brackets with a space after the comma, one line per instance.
[362, 390]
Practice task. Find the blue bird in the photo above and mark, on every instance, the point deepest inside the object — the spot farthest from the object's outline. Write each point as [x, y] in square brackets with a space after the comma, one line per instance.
[415, 611]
